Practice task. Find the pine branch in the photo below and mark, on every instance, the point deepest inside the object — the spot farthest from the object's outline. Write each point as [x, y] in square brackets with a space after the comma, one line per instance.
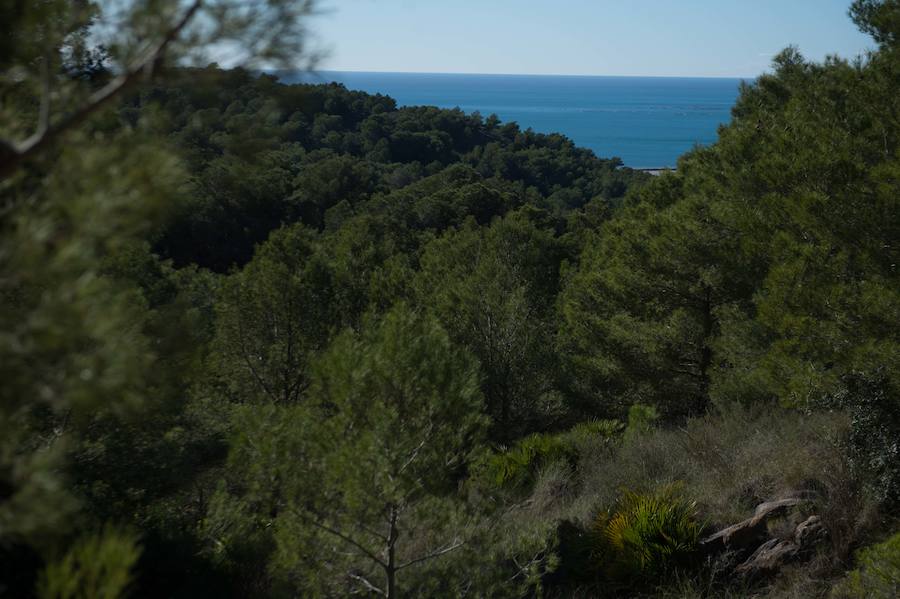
[46, 133]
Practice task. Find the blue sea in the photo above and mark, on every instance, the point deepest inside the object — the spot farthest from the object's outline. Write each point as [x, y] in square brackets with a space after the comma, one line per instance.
[646, 121]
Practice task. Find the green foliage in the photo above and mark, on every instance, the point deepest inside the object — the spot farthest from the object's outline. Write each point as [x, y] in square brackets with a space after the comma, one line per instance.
[878, 18]
[493, 287]
[392, 417]
[827, 290]
[271, 317]
[97, 344]
[874, 450]
[765, 268]
[641, 419]
[517, 467]
[265, 153]
[649, 535]
[877, 575]
[593, 429]
[99, 566]
[175, 276]
[639, 313]
[78, 345]
[322, 183]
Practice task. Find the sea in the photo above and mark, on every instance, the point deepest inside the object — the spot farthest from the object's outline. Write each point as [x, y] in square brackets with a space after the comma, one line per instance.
[648, 122]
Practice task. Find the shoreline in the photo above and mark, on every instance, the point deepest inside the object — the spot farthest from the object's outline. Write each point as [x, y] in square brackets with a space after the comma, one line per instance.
[656, 171]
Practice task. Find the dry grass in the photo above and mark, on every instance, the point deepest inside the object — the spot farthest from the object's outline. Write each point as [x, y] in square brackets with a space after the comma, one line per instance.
[729, 463]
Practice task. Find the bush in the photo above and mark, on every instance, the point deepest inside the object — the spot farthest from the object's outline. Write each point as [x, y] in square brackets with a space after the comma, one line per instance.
[874, 434]
[649, 536]
[878, 574]
[727, 463]
[641, 419]
[731, 462]
[518, 467]
[96, 567]
[594, 429]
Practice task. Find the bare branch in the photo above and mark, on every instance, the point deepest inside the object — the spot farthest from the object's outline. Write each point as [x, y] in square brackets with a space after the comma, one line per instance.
[44, 112]
[367, 584]
[371, 555]
[414, 454]
[436, 553]
[49, 133]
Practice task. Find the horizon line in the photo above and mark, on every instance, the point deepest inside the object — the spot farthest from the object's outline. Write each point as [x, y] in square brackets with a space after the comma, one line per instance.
[367, 71]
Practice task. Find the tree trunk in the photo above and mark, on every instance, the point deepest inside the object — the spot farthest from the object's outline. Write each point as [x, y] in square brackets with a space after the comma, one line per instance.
[391, 567]
[705, 351]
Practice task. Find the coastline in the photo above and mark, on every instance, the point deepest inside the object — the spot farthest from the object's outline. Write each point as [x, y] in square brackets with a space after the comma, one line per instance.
[656, 171]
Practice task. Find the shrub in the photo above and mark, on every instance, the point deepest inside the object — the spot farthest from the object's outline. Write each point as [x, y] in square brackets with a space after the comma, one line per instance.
[641, 419]
[518, 466]
[594, 429]
[874, 434]
[98, 566]
[878, 573]
[648, 536]
[730, 462]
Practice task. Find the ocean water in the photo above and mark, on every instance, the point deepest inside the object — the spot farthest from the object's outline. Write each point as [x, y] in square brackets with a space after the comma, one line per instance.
[646, 121]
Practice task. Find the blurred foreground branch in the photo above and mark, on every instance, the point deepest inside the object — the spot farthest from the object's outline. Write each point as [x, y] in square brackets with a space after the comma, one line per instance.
[13, 154]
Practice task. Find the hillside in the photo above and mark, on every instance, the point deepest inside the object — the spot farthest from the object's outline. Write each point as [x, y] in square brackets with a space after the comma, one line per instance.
[265, 340]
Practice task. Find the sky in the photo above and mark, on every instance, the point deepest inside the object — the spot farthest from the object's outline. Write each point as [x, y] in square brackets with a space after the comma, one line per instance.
[677, 38]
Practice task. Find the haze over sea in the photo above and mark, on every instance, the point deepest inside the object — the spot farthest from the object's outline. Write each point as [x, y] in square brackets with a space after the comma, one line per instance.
[646, 121]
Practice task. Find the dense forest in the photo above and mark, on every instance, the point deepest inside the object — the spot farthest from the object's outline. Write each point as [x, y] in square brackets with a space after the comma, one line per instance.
[270, 340]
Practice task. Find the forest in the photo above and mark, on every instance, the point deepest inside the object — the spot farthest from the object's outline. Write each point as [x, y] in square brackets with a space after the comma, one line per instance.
[291, 340]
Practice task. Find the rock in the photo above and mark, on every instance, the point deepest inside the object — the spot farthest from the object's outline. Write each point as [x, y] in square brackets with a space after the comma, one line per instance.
[773, 509]
[752, 531]
[752, 535]
[775, 553]
[743, 535]
[768, 558]
[810, 532]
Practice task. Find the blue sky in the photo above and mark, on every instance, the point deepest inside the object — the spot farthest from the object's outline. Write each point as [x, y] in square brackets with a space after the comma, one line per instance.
[702, 38]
